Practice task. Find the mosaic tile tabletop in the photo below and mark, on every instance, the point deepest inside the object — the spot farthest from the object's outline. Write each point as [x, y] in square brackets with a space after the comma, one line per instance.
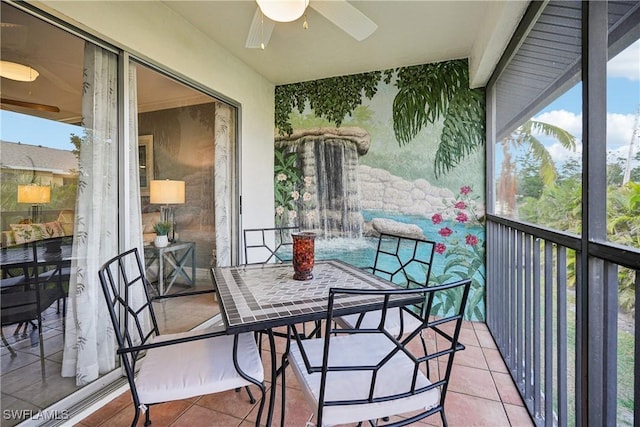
[258, 296]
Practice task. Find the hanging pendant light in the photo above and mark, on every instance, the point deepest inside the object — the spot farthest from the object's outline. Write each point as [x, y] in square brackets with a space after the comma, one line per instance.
[283, 10]
[18, 72]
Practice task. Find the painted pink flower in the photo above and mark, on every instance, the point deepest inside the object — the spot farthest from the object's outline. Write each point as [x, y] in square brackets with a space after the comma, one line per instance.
[440, 248]
[462, 217]
[471, 240]
[465, 190]
[436, 218]
[460, 205]
[445, 232]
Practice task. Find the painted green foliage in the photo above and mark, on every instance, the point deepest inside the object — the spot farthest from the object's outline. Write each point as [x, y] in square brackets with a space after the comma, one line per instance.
[426, 93]
[433, 97]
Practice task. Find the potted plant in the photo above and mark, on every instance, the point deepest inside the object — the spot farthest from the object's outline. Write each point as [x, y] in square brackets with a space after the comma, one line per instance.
[162, 230]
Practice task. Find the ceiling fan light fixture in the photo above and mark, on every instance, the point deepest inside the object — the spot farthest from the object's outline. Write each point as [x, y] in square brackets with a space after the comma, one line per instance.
[283, 10]
[18, 72]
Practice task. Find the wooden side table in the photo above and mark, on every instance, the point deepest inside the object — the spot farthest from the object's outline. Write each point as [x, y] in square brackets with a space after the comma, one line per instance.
[173, 262]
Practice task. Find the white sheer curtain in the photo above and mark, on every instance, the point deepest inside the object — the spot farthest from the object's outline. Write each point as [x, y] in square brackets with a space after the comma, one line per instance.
[89, 348]
[224, 127]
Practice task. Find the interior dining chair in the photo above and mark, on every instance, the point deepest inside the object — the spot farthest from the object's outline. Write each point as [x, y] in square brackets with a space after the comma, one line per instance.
[265, 245]
[26, 295]
[162, 368]
[407, 262]
[368, 374]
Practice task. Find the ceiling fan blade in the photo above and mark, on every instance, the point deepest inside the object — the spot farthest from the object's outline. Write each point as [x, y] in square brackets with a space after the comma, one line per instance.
[32, 105]
[260, 31]
[346, 17]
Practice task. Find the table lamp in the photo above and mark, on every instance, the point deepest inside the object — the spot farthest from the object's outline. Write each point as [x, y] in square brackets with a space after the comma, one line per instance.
[35, 195]
[167, 192]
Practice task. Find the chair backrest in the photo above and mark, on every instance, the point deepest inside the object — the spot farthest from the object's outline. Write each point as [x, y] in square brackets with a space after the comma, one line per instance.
[126, 291]
[409, 358]
[264, 245]
[37, 281]
[405, 261]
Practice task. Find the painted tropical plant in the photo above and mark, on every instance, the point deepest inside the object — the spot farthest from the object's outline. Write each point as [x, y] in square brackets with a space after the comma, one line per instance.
[440, 91]
[461, 244]
[427, 94]
[291, 197]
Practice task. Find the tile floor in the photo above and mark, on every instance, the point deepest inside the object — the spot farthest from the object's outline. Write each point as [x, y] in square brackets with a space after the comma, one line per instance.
[481, 393]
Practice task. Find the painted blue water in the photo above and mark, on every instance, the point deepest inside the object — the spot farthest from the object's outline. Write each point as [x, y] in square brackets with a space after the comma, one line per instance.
[361, 252]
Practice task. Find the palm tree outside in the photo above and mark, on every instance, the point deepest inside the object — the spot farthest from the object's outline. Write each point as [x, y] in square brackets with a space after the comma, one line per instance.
[524, 137]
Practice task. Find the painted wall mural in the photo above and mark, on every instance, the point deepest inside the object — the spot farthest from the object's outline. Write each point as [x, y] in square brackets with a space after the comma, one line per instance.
[397, 151]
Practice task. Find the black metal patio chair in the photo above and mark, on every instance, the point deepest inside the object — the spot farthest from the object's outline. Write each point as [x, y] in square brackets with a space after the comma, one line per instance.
[264, 245]
[405, 261]
[162, 368]
[368, 374]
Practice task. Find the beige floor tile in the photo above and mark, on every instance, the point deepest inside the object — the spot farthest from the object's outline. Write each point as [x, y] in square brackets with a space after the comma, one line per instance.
[507, 389]
[518, 416]
[233, 403]
[485, 339]
[494, 360]
[474, 382]
[479, 326]
[471, 356]
[468, 411]
[195, 416]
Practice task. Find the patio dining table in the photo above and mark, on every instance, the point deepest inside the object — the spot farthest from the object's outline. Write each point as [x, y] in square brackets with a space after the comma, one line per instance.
[263, 297]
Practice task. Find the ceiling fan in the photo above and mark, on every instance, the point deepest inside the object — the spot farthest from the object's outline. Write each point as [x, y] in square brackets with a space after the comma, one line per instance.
[31, 105]
[339, 12]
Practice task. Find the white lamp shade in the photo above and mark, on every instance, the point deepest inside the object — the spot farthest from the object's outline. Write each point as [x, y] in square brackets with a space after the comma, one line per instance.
[283, 10]
[19, 72]
[34, 194]
[166, 192]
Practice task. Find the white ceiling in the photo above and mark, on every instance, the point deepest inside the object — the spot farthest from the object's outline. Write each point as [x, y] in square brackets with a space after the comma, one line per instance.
[408, 33]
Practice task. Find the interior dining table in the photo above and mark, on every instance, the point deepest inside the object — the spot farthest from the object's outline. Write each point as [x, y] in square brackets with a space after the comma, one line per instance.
[44, 254]
[262, 297]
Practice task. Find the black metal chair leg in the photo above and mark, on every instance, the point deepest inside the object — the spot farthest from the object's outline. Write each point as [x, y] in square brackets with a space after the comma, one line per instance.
[147, 417]
[6, 344]
[284, 393]
[136, 417]
[444, 418]
[252, 399]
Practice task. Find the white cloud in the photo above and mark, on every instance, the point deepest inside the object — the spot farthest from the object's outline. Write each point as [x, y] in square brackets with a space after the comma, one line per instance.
[626, 64]
[571, 122]
[619, 132]
[559, 154]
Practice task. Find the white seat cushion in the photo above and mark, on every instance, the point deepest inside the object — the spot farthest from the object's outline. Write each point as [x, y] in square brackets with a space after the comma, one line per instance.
[357, 350]
[371, 320]
[196, 368]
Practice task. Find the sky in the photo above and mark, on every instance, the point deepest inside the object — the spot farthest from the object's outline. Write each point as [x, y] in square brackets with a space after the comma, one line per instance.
[623, 106]
[623, 109]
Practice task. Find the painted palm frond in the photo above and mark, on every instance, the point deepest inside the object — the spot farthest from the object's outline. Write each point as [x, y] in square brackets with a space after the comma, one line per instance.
[431, 92]
[463, 130]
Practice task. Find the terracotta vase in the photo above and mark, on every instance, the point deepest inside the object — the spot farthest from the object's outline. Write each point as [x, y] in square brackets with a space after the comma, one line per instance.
[303, 255]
